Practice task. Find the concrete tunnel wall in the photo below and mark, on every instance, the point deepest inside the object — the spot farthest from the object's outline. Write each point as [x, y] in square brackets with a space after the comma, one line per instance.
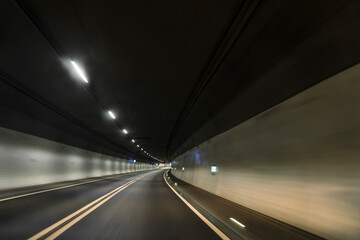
[27, 160]
[298, 162]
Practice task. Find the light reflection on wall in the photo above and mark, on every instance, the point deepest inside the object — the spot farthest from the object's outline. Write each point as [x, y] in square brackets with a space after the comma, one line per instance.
[297, 162]
[27, 160]
[197, 157]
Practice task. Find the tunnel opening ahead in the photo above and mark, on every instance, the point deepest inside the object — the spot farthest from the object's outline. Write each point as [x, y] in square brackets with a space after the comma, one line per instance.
[179, 120]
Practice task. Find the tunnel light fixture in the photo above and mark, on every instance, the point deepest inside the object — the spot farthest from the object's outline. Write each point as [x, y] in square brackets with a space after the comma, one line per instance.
[133, 140]
[124, 131]
[142, 149]
[183, 169]
[237, 222]
[79, 71]
[137, 145]
[111, 114]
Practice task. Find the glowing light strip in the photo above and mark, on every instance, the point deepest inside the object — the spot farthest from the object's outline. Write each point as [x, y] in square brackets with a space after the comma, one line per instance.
[237, 222]
[79, 71]
[111, 114]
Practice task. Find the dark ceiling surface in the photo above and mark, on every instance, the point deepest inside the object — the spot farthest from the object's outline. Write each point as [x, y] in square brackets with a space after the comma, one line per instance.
[175, 73]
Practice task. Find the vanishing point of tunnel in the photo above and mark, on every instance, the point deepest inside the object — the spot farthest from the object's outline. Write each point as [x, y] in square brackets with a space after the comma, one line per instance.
[180, 119]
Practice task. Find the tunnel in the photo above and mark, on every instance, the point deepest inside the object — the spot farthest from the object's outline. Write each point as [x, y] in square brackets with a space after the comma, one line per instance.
[192, 119]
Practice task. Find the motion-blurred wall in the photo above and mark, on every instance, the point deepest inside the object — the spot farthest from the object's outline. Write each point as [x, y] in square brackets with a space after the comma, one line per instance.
[298, 162]
[28, 160]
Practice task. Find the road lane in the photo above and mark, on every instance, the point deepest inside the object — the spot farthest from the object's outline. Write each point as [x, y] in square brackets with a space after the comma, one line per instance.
[23, 217]
[61, 226]
[147, 209]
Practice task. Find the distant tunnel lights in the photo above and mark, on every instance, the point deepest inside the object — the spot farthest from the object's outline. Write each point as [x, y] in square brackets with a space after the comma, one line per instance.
[79, 71]
[111, 114]
[81, 74]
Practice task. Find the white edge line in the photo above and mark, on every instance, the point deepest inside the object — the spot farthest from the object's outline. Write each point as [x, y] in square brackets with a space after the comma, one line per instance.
[204, 219]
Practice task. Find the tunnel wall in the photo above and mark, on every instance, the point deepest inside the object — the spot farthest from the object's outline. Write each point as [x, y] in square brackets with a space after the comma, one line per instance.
[298, 162]
[27, 160]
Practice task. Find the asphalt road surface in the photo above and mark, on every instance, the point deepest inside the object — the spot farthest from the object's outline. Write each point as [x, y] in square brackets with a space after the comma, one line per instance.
[132, 206]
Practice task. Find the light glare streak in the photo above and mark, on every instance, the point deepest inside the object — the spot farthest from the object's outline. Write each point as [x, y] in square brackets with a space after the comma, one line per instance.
[111, 114]
[237, 222]
[79, 71]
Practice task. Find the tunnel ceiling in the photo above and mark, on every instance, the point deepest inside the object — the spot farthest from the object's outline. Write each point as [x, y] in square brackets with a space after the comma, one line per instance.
[175, 73]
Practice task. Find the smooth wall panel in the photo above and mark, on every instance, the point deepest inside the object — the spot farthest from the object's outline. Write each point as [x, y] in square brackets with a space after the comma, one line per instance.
[27, 160]
[298, 162]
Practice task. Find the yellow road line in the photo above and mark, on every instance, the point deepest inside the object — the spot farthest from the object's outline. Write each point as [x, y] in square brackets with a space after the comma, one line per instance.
[84, 211]
[204, 219]
[58, 188]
